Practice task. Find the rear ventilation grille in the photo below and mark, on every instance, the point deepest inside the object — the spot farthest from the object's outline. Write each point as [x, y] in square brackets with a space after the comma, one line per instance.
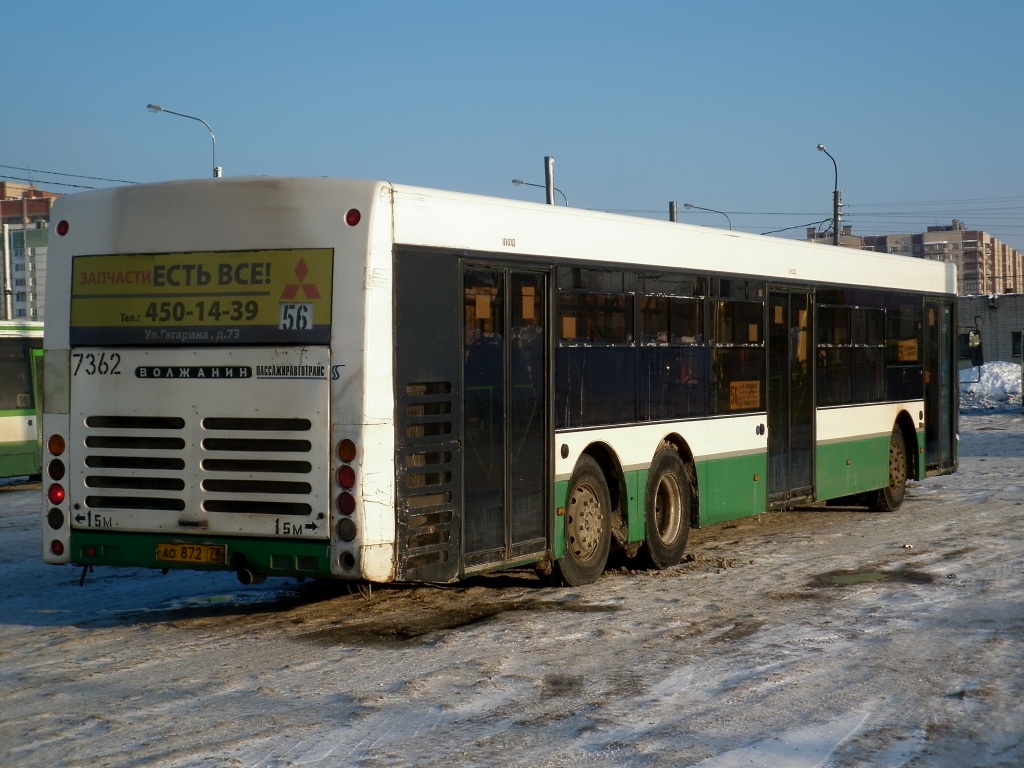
[428, 485]
[245, 466]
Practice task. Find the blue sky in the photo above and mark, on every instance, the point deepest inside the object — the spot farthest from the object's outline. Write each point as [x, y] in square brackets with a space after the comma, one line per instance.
[720, 104]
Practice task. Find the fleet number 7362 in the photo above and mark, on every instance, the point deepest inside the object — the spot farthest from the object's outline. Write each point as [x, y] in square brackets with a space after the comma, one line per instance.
[96, 363]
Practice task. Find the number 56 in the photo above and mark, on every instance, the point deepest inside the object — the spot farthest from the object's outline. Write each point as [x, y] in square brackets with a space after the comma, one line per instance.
[296, 317]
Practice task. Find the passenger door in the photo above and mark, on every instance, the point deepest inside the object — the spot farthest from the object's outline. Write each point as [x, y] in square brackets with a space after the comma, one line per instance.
[790, 396]
[504, 423]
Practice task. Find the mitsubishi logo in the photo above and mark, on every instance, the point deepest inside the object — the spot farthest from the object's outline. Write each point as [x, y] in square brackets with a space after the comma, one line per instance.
[309, 291]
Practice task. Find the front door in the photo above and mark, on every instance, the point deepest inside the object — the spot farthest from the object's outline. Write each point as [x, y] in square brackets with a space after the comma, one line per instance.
[504, 377]
[939, 386]
[790, 396]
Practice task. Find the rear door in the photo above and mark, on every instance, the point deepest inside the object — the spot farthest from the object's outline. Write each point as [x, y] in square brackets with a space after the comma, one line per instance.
[504, 417]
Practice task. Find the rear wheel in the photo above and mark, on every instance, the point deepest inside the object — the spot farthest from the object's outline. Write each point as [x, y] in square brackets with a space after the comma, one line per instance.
[667, 510]
[890, 498]
[587, 526]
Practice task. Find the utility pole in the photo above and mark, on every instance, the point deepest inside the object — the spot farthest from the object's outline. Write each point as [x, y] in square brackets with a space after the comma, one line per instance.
[837, 201]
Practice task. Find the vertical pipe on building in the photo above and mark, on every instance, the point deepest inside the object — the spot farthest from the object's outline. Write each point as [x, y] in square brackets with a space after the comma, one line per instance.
[673, 211]
[8, 295]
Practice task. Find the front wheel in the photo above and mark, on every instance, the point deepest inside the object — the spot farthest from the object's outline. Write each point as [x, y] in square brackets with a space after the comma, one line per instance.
[588, 530]
[890, 498]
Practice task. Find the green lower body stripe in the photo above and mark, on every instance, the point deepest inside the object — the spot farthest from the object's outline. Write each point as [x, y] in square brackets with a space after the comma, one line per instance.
[273, 557]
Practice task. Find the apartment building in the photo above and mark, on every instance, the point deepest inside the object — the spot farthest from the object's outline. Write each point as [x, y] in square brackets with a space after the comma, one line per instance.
[24, 216]
[985, 265]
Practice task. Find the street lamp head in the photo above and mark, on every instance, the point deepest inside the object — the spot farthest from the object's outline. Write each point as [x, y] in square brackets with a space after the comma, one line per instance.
[821, 147]
[520, 182]
[217, 170]
[709, 210]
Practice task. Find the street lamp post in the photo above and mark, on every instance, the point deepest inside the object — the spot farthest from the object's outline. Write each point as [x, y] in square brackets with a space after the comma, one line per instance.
[217, 170]
[837, 200]
[709, 210]
[520, 183]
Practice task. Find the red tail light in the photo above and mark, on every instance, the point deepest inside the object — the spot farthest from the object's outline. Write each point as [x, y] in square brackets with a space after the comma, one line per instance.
[346, 477]
[55, 493]
[346, 504]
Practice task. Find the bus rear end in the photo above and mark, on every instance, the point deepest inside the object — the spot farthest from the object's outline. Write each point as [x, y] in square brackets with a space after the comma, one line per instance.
[199, 409]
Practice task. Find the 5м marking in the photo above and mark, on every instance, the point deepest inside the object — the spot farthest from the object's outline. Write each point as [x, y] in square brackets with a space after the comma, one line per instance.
[289, 528]
[94, 520]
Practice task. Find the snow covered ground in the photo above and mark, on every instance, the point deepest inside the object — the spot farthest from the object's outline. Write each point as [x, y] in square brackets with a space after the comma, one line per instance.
[821, 637]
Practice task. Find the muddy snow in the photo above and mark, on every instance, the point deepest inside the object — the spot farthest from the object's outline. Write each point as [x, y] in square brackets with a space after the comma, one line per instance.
[819, 637]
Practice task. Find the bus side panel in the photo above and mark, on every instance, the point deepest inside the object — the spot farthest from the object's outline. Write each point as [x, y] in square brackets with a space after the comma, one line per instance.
[852, 466]
[852, 452]
[17, 458]
[732, 487]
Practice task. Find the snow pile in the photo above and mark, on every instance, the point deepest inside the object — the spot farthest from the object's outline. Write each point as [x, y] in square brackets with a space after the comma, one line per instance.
[998, 388]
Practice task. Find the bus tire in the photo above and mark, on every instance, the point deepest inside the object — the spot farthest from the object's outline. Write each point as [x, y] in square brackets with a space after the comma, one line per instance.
[890, 498]
[588, 525]
[667, 509]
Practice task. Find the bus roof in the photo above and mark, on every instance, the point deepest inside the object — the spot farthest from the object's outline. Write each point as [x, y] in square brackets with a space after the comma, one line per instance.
[300, 209]
[423, 217]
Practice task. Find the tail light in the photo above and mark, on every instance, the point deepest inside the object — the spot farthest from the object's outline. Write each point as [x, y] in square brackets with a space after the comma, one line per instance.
[55, 494]
[56, 445]
[346, 478]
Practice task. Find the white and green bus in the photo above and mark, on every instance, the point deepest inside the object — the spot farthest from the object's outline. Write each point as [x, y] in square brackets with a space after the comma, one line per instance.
[21, 352]
[368, 381]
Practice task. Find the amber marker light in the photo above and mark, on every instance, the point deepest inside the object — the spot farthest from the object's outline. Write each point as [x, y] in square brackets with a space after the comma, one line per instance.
[347, 450]
[56, 445]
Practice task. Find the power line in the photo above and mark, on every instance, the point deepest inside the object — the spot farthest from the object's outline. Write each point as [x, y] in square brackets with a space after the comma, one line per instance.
[956, 202]
[69, 175]
[47, 182]
[798, 226]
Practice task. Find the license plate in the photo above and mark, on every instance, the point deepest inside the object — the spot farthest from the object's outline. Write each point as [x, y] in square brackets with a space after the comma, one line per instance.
[191, 553]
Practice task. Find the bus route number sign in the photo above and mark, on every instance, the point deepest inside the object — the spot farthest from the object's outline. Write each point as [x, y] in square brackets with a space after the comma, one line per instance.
[296, 317]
